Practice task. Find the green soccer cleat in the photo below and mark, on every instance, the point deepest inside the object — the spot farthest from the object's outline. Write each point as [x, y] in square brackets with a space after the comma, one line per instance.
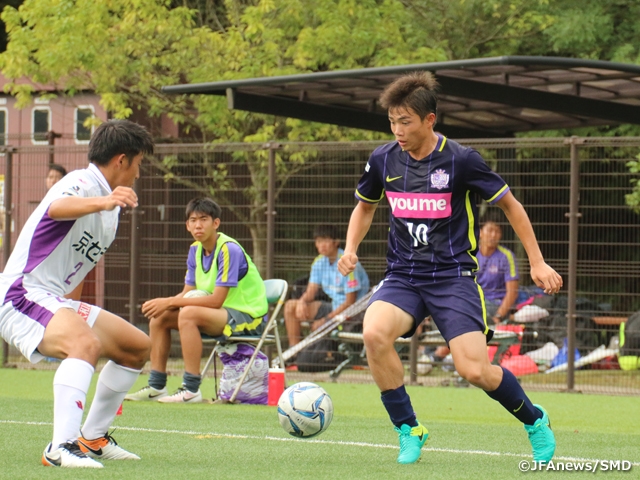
[411, 441]
[543, 442]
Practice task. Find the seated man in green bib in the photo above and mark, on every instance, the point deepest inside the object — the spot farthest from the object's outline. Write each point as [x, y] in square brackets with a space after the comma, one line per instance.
[236, 304]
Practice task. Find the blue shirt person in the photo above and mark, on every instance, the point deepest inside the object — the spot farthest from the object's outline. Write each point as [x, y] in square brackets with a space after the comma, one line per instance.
[343, 290]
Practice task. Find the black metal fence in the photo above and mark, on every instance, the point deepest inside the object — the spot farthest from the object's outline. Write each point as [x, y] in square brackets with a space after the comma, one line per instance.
[273, 195]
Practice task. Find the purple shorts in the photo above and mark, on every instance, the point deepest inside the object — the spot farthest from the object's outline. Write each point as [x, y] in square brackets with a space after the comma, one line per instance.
[456, 304]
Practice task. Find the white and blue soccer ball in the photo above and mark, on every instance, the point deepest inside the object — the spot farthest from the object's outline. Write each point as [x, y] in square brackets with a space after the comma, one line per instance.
[305, 409]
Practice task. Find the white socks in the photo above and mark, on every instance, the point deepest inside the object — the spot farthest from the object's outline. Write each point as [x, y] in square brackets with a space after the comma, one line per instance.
[70, 385]
[113, 384]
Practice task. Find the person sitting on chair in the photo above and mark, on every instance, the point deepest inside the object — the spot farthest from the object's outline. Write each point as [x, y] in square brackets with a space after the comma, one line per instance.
[343, 291]
[497, 275]
[236, 304]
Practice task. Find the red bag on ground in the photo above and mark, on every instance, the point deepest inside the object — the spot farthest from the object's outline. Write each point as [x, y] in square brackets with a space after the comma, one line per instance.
[520, 365]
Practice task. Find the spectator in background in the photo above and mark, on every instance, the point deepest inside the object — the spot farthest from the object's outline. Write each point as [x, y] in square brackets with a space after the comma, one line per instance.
[497, 273]
[343, 291]
[56, 172]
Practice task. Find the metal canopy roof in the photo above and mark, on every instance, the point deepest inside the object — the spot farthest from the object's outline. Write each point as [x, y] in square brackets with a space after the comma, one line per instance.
[488, 97]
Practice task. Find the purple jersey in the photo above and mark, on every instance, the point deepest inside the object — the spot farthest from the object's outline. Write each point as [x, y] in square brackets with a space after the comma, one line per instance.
[495, 271]
[433, 229]
[232, 265]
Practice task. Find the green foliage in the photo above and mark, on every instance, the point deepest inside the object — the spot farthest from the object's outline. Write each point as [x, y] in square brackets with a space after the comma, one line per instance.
[126, 50]
[633, 198]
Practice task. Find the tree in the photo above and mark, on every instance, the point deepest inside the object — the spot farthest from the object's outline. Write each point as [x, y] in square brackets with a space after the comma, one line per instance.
[126, 50]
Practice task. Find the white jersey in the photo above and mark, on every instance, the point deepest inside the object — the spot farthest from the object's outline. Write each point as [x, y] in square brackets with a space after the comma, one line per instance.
[56, 255]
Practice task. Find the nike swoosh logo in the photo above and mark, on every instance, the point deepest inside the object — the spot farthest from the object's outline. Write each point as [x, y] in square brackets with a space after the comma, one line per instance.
[154, 396]
[518, 409]
[95, 452]
[389, 179]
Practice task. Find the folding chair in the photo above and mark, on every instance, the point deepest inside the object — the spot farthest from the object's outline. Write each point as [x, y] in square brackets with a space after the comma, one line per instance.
[276, 293]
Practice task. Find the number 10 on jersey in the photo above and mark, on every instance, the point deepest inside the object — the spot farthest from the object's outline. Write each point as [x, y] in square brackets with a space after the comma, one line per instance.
[418, 233]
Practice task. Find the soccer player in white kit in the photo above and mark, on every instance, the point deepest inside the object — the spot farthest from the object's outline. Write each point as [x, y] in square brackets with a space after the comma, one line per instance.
[40, 312]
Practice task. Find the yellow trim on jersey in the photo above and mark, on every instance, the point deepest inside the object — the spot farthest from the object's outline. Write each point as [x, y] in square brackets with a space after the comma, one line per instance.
[225, 258]
[444, 140]
[369, 200]
[512, 263]
[316, 259]
[470, 233]
[497, 194]
[484, 307]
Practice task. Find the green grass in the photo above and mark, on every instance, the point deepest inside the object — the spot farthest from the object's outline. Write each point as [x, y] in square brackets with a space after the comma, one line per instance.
[471, 436]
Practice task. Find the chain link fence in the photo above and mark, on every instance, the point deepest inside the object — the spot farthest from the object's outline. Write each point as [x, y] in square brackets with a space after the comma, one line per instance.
[274, 195]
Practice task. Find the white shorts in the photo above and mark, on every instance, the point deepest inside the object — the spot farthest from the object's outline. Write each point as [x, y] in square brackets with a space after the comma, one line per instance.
[26, 314]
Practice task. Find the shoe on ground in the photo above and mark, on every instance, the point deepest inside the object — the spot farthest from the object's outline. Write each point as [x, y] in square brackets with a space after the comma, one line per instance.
[411, 441]
[68, 455]
[543, 442]
[182, 395]
[105, 448]
[147, 393]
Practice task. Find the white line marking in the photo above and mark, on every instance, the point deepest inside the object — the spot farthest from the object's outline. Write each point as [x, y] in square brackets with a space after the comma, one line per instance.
[317, 441]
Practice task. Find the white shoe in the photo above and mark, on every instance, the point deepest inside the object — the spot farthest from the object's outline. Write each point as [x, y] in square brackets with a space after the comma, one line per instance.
[68, 455]
[182, 395]
[147, 393]
[105, 448]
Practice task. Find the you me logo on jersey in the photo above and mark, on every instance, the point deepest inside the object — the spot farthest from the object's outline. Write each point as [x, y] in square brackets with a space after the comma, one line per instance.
[420, 205]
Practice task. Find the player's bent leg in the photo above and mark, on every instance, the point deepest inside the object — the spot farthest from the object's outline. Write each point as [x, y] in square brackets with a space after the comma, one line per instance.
[469, 352]
[471, 361]
[160, 333]
[121, 342]
[128, 350]
[191, 322]
[67, 455]
[69, 337]
[383, 323]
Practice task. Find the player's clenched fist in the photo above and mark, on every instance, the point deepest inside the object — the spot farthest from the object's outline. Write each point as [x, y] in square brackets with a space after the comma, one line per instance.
[122, 197]
[347, 263]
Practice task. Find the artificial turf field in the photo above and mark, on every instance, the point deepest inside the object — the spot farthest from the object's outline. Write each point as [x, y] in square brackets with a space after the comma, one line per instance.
[471, 436]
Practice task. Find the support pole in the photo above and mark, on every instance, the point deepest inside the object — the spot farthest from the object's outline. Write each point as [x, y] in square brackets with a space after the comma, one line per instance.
[271, 208]
[134, 267]
[574, 215]
[8, 211]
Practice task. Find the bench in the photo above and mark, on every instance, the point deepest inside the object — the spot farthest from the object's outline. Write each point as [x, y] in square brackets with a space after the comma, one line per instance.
[609, 320]
[502, 339]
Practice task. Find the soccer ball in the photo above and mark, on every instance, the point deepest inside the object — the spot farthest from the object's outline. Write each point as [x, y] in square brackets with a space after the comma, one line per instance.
[305, 410]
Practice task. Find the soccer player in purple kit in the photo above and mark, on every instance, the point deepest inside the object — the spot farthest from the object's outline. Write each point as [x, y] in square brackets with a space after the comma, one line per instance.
[431, 183]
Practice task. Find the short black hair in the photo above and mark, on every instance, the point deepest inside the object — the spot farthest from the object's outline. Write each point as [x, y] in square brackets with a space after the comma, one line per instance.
[203, 205]
[116, 137]
[58, 168]
[326, 231]
[416, 90]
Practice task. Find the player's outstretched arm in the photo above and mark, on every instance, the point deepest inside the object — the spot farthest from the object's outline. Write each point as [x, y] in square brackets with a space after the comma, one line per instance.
[71, 208]
[359, 225]
[542, 274]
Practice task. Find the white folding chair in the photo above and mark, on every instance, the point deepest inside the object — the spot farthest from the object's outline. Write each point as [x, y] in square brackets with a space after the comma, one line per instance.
[276, 294]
